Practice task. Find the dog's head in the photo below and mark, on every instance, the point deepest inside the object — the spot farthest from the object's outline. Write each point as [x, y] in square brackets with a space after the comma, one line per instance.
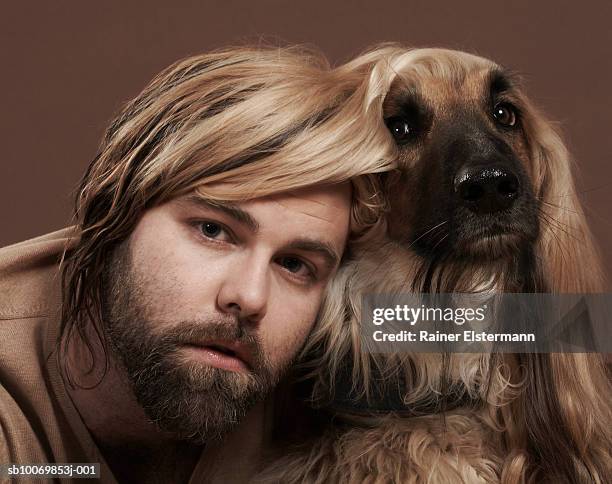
[466, 173]
[484, 183]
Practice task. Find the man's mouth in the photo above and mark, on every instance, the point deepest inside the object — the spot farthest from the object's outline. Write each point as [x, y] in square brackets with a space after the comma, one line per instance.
[225, 355]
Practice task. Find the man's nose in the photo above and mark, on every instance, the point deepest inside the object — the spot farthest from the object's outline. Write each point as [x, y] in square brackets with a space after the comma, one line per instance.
[244, 293]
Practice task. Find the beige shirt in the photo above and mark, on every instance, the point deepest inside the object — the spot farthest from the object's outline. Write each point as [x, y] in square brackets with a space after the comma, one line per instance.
[38, 422]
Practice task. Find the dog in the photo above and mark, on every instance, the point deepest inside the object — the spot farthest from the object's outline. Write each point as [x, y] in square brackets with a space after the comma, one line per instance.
[483, 200]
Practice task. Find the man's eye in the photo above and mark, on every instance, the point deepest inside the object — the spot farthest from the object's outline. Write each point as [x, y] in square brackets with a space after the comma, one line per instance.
[213, 230]
[295, 266]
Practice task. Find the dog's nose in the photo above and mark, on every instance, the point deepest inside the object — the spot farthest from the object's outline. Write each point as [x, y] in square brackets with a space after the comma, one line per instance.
[486, 189]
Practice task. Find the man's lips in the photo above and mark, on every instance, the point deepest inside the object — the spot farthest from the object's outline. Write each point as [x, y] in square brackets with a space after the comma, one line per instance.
[222, 354]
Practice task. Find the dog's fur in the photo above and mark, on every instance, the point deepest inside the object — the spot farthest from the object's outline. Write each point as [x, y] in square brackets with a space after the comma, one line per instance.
[462, 417]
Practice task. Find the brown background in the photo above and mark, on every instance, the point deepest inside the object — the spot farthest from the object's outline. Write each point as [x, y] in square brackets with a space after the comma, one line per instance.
[67, 66]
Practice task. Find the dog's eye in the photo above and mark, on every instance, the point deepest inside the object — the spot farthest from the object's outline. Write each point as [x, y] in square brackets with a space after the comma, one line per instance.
[401, 130]
[505, 114]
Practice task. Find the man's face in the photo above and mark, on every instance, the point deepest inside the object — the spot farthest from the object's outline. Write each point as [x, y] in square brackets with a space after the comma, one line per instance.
[207, 305]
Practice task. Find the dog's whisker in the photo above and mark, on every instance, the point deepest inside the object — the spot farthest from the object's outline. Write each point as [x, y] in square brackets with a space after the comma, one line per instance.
[562, 247]
[557, 206]
[425, 233]
[439, 242]
[554, 223]
[551, 219]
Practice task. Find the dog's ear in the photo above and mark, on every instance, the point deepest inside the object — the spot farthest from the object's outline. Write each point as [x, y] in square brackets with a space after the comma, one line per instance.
[571, 262]
[567, 419]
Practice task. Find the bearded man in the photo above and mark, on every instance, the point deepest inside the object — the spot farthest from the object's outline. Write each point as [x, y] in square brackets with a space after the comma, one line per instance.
[149, 337]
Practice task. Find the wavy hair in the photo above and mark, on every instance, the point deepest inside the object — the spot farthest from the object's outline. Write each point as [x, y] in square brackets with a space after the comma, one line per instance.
[234, 124]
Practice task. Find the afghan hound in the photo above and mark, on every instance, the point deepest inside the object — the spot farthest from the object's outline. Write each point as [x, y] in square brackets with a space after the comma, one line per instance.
[483, 200]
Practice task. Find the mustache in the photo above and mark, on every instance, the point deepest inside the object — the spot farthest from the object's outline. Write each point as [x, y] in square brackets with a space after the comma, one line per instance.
[230, 330]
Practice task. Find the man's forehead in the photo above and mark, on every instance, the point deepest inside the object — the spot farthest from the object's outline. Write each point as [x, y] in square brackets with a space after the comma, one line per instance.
[327, 202]
[323, 202]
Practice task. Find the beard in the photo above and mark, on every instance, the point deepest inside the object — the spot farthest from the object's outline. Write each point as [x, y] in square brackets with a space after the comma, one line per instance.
[187, 398]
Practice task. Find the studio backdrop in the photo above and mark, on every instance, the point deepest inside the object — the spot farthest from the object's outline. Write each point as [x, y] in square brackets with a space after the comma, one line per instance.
[67, 67]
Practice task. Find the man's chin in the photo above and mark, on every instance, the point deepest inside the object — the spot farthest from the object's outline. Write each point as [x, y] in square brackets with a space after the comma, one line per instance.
[199, 403]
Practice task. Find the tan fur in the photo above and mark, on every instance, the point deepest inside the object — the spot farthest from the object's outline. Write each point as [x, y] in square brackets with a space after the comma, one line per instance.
[526, 405]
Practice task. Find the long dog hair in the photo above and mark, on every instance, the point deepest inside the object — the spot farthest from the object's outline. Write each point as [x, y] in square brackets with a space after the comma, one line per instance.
[461, 417]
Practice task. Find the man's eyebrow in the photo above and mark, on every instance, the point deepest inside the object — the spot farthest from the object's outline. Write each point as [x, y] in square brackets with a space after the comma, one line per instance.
[229, 209]
[323, 248]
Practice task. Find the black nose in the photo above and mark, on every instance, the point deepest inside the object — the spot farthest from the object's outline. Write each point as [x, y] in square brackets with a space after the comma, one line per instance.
[486, 189]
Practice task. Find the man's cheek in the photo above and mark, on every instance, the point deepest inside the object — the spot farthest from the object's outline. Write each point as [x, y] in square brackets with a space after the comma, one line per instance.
[284, 344]
[170, 299]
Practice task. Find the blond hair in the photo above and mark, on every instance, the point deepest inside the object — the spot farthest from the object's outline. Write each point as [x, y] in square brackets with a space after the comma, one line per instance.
[235, 124]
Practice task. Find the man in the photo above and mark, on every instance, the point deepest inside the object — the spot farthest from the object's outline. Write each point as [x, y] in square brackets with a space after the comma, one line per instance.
[208, 226]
